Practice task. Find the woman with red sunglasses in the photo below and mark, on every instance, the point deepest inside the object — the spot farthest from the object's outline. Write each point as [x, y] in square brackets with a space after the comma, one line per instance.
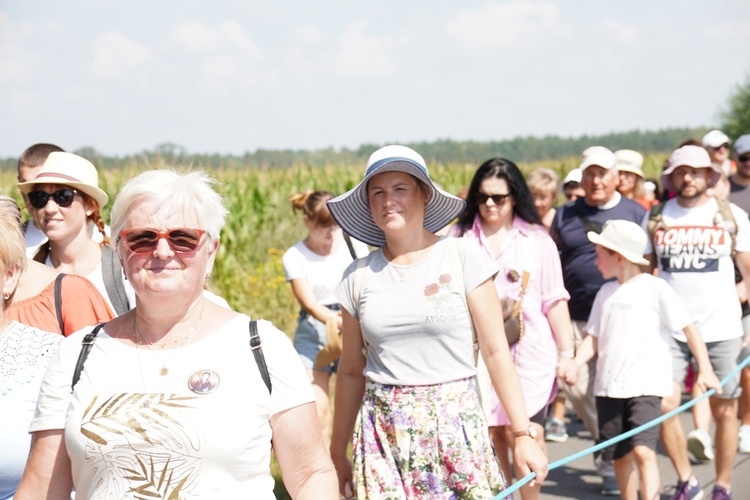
[67, 199]
[179, 397]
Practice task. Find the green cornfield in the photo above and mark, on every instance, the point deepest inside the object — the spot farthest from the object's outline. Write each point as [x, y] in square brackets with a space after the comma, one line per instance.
[261, 226]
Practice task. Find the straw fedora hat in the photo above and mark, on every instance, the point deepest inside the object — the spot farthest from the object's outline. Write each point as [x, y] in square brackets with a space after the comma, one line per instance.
[71, 170]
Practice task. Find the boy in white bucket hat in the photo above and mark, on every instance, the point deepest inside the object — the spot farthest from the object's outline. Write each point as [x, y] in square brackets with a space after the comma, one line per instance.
[630, 328]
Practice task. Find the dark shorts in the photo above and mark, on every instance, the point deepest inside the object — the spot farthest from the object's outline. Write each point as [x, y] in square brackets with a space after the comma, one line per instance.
[540, 417]
[618, 416]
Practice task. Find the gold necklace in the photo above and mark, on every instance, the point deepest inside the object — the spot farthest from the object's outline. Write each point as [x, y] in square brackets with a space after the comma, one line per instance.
[137, 332]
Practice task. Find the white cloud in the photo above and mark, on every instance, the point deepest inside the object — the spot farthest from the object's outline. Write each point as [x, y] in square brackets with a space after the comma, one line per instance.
[226, 38]
[732, 32]
[310, 34]
[508, 25]
[115, 55]
[360, 55]
[197, 38]
[227, 57]
[16, 62]
[622, 33]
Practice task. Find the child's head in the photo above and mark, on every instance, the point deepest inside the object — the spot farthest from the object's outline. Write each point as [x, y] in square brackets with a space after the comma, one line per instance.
[543, 184]
[621, 243]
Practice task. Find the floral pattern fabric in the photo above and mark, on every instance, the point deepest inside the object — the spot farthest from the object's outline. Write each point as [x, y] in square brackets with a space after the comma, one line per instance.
[419, 442]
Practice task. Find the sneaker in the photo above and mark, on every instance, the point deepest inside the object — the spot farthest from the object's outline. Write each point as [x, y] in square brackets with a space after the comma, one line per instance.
[721, 493]
[699, 444]
[745, 439]
[555, 431]
[609, 487]
[688, 490]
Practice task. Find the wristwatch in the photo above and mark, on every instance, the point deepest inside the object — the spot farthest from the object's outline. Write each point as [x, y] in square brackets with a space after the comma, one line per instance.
[531, 432]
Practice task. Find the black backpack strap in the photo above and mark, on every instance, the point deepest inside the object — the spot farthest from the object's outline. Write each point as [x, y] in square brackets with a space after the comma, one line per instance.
[86, 343]
[260, 360]
[58, 302]
[112, 274]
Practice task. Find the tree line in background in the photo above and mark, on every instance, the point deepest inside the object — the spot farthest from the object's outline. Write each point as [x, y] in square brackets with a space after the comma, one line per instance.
[444, 151]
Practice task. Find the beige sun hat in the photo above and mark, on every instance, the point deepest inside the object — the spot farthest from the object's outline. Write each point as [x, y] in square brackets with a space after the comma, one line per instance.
[627, 160]
[624, 237]
[71, 170]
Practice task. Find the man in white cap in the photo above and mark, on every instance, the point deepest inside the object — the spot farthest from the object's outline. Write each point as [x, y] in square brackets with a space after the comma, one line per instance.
[692, 245]
[717, 144]
[29, 163]
[740, 196]
[572, 222]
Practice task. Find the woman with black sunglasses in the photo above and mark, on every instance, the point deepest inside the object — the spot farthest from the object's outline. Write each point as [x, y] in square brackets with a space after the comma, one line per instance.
[179, 397]
[67, 199]
[501, 218]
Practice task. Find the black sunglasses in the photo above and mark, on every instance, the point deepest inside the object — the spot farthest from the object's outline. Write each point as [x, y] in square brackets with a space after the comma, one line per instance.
[743, 158]
[497, 199]
[63, 197]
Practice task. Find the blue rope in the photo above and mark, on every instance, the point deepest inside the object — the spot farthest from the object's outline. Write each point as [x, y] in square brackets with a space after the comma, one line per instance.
[554, 465]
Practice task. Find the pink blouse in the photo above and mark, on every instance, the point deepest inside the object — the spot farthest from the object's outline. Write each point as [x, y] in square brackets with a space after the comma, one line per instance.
[536, 354]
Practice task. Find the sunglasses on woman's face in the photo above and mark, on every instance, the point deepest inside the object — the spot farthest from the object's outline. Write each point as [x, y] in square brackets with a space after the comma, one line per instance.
[497, 199]
[180, 240]
[63, 197]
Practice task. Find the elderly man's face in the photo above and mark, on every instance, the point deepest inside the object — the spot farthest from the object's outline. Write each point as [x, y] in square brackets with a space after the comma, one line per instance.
[599, 184]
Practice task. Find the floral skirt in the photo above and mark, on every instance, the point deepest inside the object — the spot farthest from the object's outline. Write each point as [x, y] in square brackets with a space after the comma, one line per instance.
[424, 442]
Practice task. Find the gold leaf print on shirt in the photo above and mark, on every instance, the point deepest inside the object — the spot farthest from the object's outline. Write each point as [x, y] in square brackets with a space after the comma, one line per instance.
[138, 445]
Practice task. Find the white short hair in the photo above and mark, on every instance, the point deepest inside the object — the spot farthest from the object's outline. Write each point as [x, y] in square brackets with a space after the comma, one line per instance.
[173, 193]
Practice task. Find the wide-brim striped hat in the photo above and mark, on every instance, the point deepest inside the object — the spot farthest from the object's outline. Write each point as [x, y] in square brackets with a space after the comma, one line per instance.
[351, 210]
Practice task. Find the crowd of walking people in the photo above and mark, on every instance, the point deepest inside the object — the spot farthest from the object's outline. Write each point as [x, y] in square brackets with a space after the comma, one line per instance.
[462, 332]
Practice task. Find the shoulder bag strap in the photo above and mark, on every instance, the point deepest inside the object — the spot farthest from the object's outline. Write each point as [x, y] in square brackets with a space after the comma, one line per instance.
[58, 302]
[730, 225]
[86, 343]
[112, 274]
[350, 246]
[359, 284]
[260, 360]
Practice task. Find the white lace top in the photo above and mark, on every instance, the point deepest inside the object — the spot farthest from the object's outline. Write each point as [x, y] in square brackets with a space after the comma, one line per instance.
[25, 352]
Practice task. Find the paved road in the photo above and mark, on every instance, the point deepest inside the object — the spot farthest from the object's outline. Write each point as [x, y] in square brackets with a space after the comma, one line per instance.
[578, 479]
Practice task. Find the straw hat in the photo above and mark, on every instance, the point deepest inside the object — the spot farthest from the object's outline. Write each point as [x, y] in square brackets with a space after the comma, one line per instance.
[627, 160]
[624, 237]
[351, 210]
[70, 170]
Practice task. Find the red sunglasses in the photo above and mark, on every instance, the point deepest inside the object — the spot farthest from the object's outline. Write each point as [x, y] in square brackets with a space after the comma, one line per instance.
[180, 240]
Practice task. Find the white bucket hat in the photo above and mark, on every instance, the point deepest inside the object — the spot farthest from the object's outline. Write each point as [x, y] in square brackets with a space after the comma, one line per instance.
[690, 156]
[70, 170]
[627, 160]
[351, 210]
[624, 237]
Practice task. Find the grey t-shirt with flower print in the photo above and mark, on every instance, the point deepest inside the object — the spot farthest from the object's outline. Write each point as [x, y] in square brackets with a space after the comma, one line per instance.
[414, 319]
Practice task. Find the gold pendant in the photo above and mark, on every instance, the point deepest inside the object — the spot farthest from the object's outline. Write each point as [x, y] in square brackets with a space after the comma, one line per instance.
[163, 371]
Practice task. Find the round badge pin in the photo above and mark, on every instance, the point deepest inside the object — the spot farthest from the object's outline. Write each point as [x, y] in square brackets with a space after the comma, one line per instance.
[204, 381]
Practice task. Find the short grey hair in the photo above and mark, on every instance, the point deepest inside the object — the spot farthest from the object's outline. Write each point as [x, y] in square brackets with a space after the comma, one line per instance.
[173, 193]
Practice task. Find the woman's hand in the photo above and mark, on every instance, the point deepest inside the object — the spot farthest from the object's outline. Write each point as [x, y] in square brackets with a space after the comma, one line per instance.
[528, 457]
[567, 370]
[344, 471]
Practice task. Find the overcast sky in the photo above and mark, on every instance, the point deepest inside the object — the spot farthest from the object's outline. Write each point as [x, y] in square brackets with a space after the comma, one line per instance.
[233, 76]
